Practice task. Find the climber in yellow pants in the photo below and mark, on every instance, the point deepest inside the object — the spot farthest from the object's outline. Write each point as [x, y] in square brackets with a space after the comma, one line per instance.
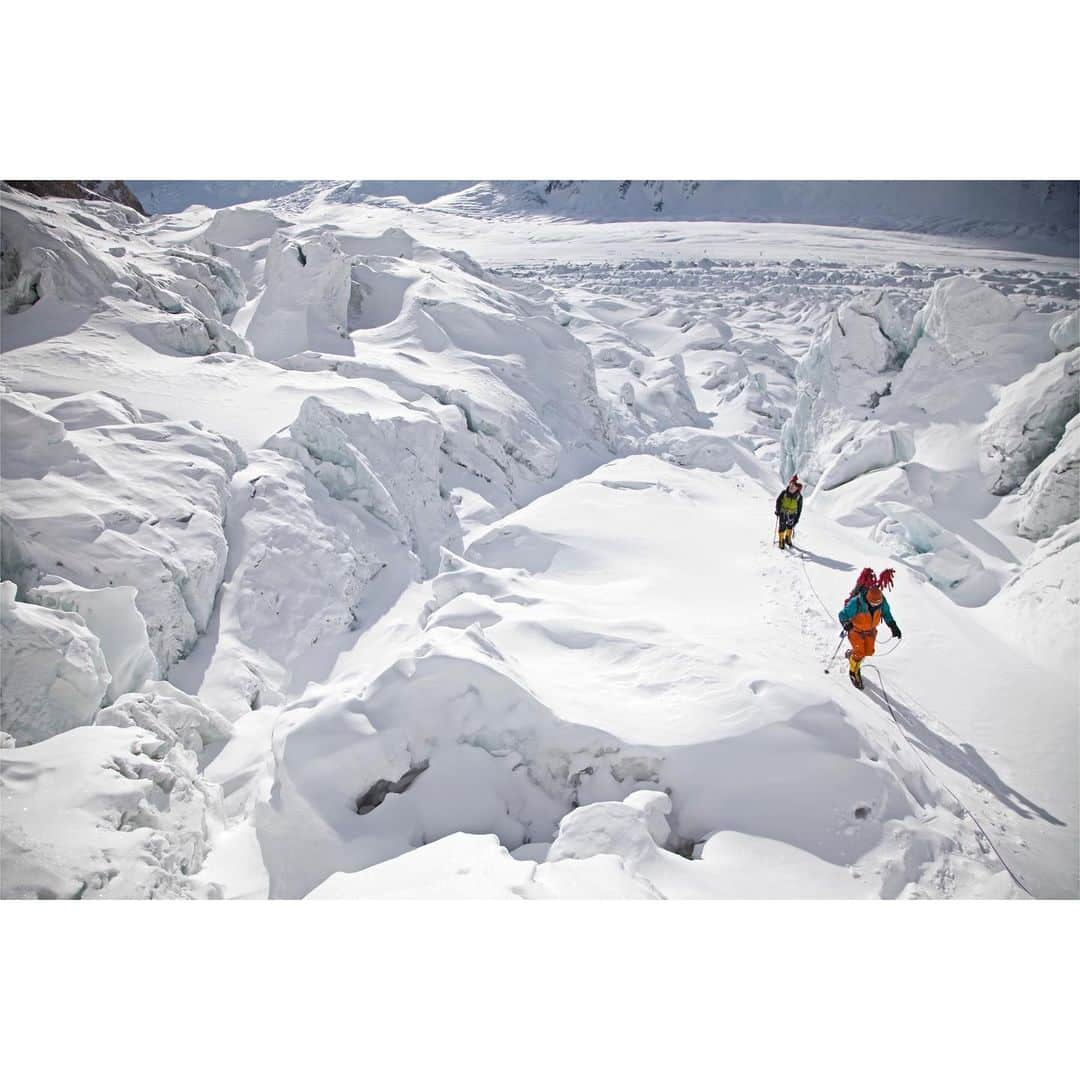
[789, 510]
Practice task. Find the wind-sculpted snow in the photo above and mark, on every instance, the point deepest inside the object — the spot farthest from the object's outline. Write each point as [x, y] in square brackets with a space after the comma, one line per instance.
[138, 505]
[241, 226]
[971, 391]
[305, 302]
[872, 445]
[178, 719]
[1029, 421]
[112, 616]
[917, 539]
[692, 448]
[527, 386]
[91, 409]
[1037, 609]
[311, 528]
[103, 813]
[210, 284]
[848, 368]
[54, 673]
[1065, 333]
[89, 256]
[46, 255]
[652, 395]
[335, 500]
[969, 338]
[640, 370]
[600, 852]
[388, 468]
[1050, 496]
[514, 392]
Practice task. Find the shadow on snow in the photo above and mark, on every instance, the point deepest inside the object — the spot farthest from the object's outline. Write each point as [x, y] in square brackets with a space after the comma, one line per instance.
[960, 757]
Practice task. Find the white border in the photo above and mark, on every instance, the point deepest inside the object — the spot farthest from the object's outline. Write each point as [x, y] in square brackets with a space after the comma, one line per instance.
[826, 90]
[598, 989]
[838, 89]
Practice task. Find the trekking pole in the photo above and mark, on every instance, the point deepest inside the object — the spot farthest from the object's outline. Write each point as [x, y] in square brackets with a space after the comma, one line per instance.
[775, 529]
[828, 663]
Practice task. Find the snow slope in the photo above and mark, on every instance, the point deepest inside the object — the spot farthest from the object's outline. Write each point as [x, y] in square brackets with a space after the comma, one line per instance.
[408, 575]
[567, 658]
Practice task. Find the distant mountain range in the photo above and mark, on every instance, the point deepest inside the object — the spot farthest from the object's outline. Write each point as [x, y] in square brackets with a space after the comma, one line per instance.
[1038, 214]
[1042, 210]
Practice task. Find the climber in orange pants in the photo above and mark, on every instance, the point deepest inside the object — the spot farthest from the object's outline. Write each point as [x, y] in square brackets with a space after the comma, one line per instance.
[866, 607]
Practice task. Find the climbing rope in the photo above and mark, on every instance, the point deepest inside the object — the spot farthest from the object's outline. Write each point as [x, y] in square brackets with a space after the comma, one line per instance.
[802, 563]
[895, 645]
[900, 727]
[929, 768]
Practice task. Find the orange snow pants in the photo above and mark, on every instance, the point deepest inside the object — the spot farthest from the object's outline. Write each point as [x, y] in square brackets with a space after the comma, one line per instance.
[862, 644]
[863, 635]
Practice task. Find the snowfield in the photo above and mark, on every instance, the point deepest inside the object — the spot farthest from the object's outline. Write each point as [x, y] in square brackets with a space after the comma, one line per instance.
[383, 542]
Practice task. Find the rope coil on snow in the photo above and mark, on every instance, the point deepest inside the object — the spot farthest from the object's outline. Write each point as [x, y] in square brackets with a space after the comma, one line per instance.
[926, 764]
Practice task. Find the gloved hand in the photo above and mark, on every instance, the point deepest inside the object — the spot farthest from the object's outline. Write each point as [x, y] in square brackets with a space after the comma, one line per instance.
[847, 627]
[896, 632]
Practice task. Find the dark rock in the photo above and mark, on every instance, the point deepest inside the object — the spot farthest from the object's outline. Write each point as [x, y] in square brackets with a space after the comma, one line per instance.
[107, 190]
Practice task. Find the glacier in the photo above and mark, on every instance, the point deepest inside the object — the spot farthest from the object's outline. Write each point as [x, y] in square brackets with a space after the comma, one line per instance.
[396, 540]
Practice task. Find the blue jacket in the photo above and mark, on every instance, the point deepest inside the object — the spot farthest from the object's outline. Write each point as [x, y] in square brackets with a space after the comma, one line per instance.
[857, 605]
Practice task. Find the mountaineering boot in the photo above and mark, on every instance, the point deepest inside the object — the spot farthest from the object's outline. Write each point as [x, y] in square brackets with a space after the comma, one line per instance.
[854, 673]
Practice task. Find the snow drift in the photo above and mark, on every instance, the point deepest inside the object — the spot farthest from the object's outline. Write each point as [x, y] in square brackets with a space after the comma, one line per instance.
[139, 505]
[55, 675]
[104, 813]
